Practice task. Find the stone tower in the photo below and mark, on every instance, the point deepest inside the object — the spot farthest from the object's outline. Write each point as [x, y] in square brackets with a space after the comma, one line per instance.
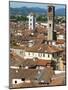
[51, 16]
[32, 20]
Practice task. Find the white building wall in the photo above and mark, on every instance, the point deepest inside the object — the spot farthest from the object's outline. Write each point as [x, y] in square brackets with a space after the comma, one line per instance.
[18, 81]
[19, 52]
[60, 36]
[32, 54]
[14, 67]
[37, 55]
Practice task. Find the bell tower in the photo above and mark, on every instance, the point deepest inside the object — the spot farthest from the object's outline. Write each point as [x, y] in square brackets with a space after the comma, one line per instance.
[32, 20]
[51, 22]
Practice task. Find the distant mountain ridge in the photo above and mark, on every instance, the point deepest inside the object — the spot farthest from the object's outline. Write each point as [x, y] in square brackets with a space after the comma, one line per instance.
[60, 12]
[37, 10]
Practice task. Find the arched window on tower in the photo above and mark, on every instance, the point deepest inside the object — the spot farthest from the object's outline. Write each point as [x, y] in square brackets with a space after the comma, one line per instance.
[49, 9]
[49, 25]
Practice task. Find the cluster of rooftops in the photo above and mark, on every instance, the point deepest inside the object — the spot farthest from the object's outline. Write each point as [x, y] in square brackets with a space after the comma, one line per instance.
[35, 70]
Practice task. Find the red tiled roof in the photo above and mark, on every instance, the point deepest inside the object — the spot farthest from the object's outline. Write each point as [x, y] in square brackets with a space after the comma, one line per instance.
[61, 31]
[41, 30]
[60, 42]
[41, 36]
[43, 48]
[43, 62]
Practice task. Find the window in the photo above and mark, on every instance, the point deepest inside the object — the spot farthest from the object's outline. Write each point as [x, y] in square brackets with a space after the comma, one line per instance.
[49, 9]
[15, 81]
[29, 53]
[49, 25]
[40, 54]
[43, 54]
[53, 54]
[20, 66]
[23, 79]
[48, 55]
[30, 23]
[30, 19]
[33, 54]
[21, 52]
[57, 53]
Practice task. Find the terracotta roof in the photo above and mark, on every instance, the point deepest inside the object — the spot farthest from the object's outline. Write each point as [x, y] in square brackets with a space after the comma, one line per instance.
[40, 48]
[19, 47]
[43, 62]
[32, 74]
[23, 73]
[18, 61]
[41, 30]
[41, 36]
[29, 62]
[61, 31]
[15, 60]
[60, 41]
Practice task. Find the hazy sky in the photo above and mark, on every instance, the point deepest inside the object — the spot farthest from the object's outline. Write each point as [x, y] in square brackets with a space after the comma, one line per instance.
[23, 4]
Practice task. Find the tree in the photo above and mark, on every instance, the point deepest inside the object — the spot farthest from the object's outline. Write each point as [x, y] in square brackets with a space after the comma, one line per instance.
[41, 18]
[19, 18]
